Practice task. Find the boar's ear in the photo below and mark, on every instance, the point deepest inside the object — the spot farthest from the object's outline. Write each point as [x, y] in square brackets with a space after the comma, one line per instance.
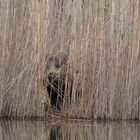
[48, 61]
[46, 58]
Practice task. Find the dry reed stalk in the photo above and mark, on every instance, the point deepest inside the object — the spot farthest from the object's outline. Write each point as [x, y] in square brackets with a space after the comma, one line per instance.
[103, 61]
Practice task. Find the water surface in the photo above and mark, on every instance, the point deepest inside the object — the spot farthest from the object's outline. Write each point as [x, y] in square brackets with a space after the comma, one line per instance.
[40, 130]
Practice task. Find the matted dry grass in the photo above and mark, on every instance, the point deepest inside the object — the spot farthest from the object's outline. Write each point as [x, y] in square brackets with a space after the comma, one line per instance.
[104, 58]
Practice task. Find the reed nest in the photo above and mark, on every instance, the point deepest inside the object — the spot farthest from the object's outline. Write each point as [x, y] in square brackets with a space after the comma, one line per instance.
[104, 56]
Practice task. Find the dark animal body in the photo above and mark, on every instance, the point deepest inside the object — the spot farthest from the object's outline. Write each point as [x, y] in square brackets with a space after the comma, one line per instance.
[55, 85]
[56, 91]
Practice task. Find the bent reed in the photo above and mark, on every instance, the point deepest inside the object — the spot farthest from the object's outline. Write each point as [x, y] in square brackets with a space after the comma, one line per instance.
[104, 57]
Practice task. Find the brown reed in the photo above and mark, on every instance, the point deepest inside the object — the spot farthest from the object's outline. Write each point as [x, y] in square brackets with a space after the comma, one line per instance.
[104, 59]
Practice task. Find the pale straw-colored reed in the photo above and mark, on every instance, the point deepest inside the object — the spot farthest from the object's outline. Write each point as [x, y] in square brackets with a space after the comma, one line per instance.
[104, 57]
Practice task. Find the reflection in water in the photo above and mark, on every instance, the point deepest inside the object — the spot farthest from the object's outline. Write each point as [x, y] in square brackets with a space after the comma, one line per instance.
[55, 133]
[39, 130]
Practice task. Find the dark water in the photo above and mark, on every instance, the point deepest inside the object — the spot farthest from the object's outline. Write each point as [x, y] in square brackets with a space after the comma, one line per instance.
[39, 130]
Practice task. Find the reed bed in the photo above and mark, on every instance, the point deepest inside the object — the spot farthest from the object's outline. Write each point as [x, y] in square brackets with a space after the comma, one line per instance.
[104, 56]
